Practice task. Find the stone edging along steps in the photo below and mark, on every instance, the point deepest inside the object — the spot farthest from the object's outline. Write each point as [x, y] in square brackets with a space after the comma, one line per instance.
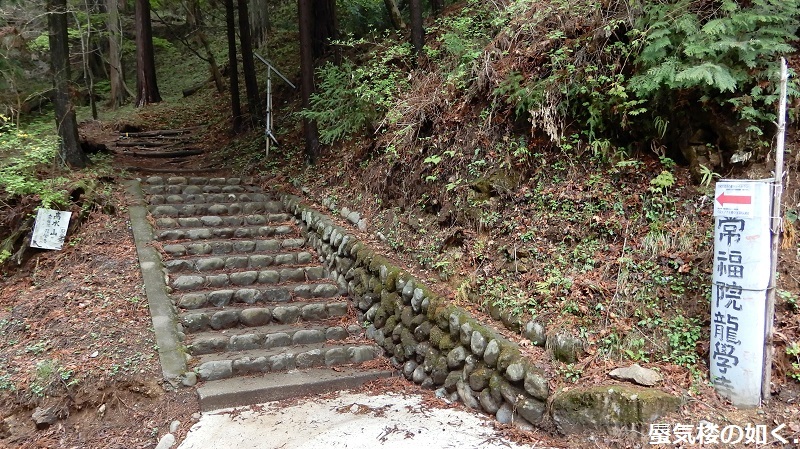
[255, 318]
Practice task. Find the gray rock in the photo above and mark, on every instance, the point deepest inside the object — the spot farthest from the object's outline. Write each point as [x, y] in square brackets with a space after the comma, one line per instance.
[210, 264]
[269, 277]
[491, 353]
[466, 395]
[247, 295]
[418, 375]
[515, 371]
[536, 385]
[193, 301]
[477, 343]
[565, 348]
[245, 342]
[189, 379]
[310, 359]
[282, 362]
[505, 414]
[308, 337]
[224, 319]
[466, 334]
[174, 426]
[416, 300]
[336, 356]
[532, 410]
[278, 339]
[220, 298]
[487, 402]
[248, 365]
[408, 369]
[214, 370]
[452, 381]
[313, 312]
[44, 417]
[244, 277]
[535, 332]
[456, 357]
[637, 374]
[360, 354]
[166, 442]
[255, 317]
[188, 282]
[286, 314]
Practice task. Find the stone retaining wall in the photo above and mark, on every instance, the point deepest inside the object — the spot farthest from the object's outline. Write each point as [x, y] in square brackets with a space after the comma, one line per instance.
[437, 345]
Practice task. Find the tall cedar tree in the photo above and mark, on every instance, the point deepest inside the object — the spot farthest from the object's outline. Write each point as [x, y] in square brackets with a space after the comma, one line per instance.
[236, 106]
[325, 27]
[146, 85]
[119, 91]
[306, 19]
[417, 30]
[248, 64]
[70, 149]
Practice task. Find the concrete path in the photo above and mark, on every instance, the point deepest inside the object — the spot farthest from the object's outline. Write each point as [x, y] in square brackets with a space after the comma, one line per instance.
[346, 420]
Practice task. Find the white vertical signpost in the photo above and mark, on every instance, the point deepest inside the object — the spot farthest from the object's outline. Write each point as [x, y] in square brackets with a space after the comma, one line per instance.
[747, 219]
[741, 278]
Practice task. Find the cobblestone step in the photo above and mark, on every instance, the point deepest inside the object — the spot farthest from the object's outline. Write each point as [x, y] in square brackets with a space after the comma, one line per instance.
[260, 361]
[216, 220]
[205, 197]
[199, 209]
[202, 320]
[238, 262]
[189, 282]
[219, 247]
[268, 337]
[270, 295]
[243, 232]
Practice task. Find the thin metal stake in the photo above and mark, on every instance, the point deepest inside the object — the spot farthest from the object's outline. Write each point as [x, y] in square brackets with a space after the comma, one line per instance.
[777, 190]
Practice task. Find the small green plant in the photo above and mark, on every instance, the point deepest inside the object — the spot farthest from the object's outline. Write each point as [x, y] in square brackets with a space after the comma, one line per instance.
[790, 299]
[682, 336]
[793, 350]
[570, 372]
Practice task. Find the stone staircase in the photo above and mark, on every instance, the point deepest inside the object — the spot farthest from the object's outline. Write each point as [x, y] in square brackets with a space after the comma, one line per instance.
[254, 307]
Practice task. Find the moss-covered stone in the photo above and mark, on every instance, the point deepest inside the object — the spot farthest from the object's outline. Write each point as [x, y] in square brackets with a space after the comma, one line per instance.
[479, 378]
[508, 355]
[380, 318]
[419, 319]
[610, 408]
[423, 331]
[391, 278]
[511, 321]
[440, 372]
[408, 342]
[388, 328]
[565, 348]
[406, 316]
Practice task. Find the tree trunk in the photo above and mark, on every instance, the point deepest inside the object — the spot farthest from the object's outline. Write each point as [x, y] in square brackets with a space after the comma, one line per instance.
[70, 148]
[324, 27]
[146, 85]
[417, 30]
[394, 15]
[236, 107]
[260, 23]
[248, 63]
[119, 91]
[437, 6]
[212, 62]
[306, 18]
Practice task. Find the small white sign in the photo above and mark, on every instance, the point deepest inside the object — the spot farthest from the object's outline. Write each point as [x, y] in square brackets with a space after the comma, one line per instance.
[741, 278]
[738, 198]
[50, 229]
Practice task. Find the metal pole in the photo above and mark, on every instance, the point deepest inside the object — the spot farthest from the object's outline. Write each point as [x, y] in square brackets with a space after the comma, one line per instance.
[777, 190]
[269, 110]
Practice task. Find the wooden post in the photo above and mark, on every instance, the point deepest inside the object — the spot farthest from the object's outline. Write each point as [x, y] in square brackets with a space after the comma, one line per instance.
[776, 224]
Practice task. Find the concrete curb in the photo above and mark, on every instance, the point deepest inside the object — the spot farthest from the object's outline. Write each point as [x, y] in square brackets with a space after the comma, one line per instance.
[171, 351]
[235, 392]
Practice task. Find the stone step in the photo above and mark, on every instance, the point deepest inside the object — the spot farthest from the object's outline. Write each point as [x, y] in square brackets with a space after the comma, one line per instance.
[200, 209]
[201, 320]
[219, 247]
[238, 262]
[267, 337]
[201, 198]
[188, 189]
[190, 282]
[241, 391]
[258, 361]
[227, 220]
[276, 295]
[242, 232]
[191, 180]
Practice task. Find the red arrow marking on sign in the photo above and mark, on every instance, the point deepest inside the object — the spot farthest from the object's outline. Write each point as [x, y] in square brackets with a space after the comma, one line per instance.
[733, 199]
